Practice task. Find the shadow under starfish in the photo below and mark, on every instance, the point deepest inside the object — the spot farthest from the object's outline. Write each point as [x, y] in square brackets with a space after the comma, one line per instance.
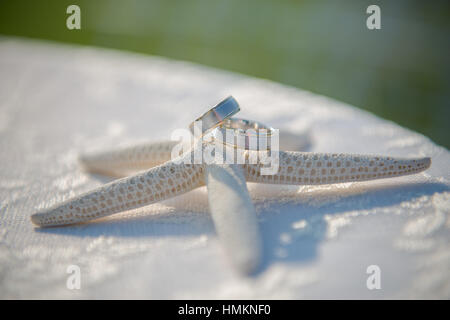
[180, 222]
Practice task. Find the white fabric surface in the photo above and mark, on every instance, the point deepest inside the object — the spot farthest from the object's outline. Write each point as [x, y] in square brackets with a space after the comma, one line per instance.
[57, 101]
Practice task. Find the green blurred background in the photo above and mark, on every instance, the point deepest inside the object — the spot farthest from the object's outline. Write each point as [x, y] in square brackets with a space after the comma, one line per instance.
[400, 72]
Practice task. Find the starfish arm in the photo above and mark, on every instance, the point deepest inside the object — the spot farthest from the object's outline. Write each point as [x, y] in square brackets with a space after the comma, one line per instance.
[122, 162]
[127, 160]
[159, 183]
[234, 215]
[304, 168]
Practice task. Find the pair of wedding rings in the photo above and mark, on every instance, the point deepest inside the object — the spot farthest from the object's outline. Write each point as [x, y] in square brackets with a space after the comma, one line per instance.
[218, 121]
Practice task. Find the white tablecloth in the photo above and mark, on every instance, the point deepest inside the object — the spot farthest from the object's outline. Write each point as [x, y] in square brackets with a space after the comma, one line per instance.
[57, 101]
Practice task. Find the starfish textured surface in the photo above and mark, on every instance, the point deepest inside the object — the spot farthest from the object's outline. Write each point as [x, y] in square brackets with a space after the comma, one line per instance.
[157, 184]
[301, 168]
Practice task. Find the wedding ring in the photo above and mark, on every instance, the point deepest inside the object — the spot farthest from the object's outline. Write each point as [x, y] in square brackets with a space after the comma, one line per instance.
[244, 124]
[216, 115]
[245, 134]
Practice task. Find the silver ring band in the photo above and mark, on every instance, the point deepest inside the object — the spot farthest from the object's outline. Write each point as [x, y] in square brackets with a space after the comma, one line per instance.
[216, 115]
[244, 124]
[247, 134]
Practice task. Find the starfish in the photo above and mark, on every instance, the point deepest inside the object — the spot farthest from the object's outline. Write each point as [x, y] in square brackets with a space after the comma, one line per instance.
[169, 178]
[162, 178]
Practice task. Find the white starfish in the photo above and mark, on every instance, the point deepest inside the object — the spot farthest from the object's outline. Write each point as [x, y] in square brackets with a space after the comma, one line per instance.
[168, 178]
